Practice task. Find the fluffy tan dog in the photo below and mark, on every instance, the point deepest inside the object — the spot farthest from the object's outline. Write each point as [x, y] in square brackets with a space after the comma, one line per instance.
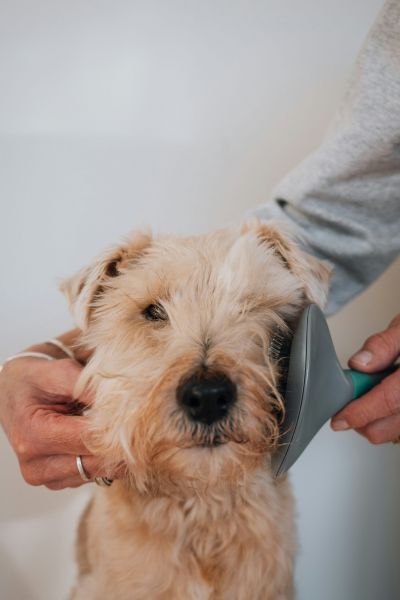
[186, 395]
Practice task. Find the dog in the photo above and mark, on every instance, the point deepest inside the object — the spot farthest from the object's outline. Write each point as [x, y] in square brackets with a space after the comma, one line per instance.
[186, 396]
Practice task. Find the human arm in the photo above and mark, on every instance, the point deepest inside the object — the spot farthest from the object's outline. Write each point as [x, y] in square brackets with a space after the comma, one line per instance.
[343, 202]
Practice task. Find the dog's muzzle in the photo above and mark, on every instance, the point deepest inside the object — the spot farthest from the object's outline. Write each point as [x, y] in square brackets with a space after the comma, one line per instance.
[206, 396]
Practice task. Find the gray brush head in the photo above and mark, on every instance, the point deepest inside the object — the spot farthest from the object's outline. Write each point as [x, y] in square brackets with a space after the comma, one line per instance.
[316, 388]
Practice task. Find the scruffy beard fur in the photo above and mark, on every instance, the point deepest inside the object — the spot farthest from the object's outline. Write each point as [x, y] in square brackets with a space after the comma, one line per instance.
[198, 515]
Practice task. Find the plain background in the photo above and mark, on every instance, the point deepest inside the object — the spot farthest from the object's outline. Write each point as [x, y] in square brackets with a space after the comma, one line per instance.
[182, 115]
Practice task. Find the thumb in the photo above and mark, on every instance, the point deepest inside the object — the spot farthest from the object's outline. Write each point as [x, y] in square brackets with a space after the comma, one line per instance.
[379, 351]
[68, 372]
[57, 379]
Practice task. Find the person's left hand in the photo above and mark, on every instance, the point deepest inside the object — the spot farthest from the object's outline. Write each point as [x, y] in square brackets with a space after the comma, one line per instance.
[376, 415]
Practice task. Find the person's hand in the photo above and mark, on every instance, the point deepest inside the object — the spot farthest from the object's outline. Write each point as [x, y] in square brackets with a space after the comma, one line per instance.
[43, 423]
[376, 415]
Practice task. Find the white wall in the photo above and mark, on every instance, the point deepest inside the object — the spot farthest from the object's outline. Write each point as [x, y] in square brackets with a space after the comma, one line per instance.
[182, 115]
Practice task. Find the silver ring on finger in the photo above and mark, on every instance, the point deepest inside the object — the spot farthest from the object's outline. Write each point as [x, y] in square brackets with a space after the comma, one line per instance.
[103, 481]
[81, 469]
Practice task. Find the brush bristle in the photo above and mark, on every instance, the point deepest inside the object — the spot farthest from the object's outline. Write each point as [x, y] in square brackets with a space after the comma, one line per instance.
[279, 350]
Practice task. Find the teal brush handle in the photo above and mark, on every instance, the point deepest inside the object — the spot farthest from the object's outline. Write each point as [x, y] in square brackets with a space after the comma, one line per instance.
[363, 382]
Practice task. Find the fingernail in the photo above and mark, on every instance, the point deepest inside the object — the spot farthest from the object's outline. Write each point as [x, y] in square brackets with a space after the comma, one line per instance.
[362, 358]
[340, 425]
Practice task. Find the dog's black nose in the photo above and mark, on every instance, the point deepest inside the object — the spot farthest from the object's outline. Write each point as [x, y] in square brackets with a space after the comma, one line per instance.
[206, 396]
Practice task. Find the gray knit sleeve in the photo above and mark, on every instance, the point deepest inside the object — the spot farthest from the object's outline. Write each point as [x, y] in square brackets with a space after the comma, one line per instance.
[344, 200]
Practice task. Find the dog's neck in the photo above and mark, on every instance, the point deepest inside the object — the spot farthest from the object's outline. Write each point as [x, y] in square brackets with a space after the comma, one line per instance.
[222, 493]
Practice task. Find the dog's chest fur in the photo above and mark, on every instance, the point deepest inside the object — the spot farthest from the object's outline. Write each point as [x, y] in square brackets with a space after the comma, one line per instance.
[223, 544]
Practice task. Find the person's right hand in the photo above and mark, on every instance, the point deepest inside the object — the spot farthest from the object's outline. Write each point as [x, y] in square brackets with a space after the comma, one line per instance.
[42, 422]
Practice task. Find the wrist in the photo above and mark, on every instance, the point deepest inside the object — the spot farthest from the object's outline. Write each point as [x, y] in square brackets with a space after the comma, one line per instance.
[47, 348]
[70, 340]
[64, 346]
[52, 349]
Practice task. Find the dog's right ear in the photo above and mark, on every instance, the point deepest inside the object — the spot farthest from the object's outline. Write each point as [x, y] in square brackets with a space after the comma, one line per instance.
[85, 287]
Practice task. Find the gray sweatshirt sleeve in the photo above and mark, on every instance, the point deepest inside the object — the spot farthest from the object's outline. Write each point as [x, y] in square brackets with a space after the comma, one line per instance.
[344, 200]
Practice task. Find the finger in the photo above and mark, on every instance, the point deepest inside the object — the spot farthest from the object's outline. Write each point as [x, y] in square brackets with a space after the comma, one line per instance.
[380, 350]
[65, 483]
[58, 377]
[57, 382]
[55, 433]
[71, 482]
[380, 402]
[395, 322]
[382, 430]
[51, 469]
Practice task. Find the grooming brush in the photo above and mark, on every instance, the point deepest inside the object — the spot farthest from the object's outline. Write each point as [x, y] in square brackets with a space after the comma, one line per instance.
[314, 385]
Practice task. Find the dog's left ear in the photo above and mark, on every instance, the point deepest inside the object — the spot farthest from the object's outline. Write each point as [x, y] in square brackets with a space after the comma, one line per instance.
[314, 274]
[86, 286]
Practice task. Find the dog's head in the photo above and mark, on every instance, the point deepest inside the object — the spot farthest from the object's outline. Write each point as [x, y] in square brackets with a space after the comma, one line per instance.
[180, 329]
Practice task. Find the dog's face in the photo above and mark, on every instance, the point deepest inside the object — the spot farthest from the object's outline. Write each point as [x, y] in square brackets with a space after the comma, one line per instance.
[184, 382]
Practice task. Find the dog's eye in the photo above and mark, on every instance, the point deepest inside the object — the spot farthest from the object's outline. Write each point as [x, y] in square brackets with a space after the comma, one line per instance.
[155, 312]
[112, 269]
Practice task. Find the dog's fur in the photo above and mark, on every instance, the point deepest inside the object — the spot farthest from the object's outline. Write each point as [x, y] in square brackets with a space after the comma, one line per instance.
[193, 519]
